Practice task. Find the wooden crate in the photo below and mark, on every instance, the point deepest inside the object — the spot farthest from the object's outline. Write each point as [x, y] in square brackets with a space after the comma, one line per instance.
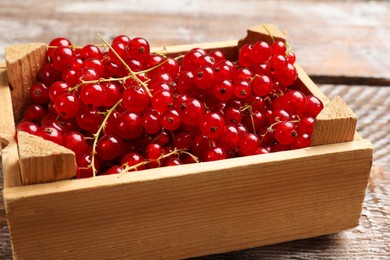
[189, 210]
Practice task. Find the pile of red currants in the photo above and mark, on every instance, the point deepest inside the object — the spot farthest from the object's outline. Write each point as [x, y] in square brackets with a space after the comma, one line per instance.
[121, 108]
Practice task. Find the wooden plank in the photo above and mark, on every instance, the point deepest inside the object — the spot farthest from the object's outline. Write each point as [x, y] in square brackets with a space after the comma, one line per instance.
[8, 147]
[43, 161]
[228, 206]
[334, 124]
[23, 64]
[331, 38]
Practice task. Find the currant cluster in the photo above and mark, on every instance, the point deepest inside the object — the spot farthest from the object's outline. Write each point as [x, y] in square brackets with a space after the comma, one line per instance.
[121, 108]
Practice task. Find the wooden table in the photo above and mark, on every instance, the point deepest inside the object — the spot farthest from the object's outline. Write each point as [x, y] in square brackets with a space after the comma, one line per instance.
[344, 47]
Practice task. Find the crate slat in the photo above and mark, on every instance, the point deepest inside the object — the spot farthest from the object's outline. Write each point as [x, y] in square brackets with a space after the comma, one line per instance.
[336, 123]
[43, 161]
[9, 148]
[193, 210]
[23, 64]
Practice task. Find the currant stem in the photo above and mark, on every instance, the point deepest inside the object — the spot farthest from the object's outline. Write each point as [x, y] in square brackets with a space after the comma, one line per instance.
[127, 66]
[176, 151]
[99, 81]
[75, 46]
[97, 134]
[269, 33]
[249, 107]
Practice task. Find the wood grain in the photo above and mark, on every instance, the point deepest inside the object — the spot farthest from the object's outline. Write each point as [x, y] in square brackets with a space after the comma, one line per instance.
[23, 64]
[177, 212]
[43, 161]
[336, 123]
[331, 38]
[9, 149]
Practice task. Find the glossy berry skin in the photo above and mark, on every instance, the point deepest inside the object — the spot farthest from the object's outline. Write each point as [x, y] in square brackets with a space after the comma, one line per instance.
[39, 93]
[48, 74]
[262, 85]
[93, 95]
[115, 169]
[95, 64]
[113, 93]
[133, 159]
[67, 106]
[173, 162]
[89, 119]
[285, 132]
[182, 140]
[154, 151]
[261, 52]
[192, 111]
[34, 113]
[162, 101]
[84, 169]
[212, 125]
[139, 48]
[204, 77]
[295, 101]
[135, 99]
[60, 41]
[71, 77]
[214, 154]
[110, 147]
[56, 89]
[242, 90]
[245, 55]
[278, 48]
[288, 76]
[301, 141]
[28, 127]
[313, 106]
[249, 143]
[62, 57]
[306, 125]
[171, 120]
[233, 115]
[151, 121]
[50, 133]
[76, 142]
[129, 125]
[230, 138]
[91, 51]
[223, 91]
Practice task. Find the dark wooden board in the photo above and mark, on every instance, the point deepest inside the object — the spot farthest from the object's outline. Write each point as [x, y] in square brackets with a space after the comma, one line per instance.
[331, 38]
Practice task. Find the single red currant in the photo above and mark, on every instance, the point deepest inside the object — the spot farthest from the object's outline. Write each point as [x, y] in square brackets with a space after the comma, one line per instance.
[212, 125]
[109, 147]
[67, 106]
[285, 132]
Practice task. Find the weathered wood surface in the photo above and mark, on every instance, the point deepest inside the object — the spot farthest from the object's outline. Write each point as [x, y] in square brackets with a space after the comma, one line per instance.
[331, 38]
[337, 42]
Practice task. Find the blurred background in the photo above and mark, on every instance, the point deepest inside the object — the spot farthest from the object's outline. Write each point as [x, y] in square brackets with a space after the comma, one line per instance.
[321, 32]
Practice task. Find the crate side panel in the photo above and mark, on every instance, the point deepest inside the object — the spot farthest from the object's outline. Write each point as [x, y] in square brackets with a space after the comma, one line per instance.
[23, 64]
[8, 146]
[190, 215]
